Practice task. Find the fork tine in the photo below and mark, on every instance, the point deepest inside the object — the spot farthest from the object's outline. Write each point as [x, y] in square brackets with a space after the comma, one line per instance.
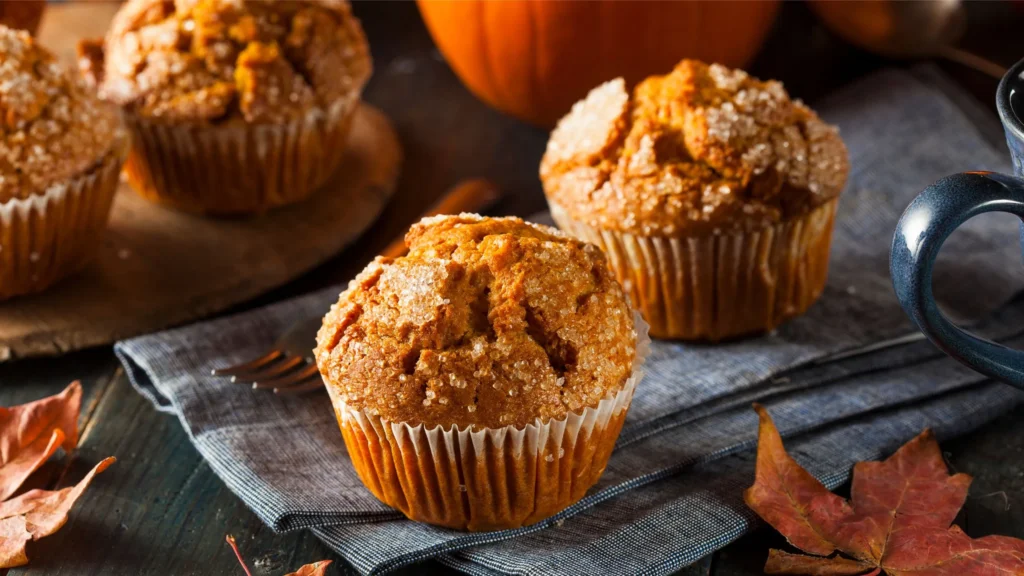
[287, 380]
[248, 366]
[272, 371]
[301, 389]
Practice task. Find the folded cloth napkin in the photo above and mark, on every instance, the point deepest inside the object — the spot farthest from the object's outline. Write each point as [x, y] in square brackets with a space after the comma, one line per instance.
[672, 492]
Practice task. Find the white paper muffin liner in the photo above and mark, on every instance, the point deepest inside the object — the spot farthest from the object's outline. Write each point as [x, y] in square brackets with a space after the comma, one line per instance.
[48, 236]
[719, 286]
[237, 168]
[488, 478]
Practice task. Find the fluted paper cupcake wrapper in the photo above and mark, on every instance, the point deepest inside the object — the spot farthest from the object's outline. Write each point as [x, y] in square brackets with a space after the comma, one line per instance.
[487, 478]
[48, 236]
[719, 286]
[237, 168]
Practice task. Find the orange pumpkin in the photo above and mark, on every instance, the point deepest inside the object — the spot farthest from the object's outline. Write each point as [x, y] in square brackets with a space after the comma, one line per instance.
[22, 14]
[535, 58]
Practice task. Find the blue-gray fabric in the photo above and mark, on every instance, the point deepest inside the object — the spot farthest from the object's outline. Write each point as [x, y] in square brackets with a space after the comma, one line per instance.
[672, 492]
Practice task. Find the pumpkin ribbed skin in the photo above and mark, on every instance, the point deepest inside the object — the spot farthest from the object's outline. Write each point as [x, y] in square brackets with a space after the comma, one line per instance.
[534, 58]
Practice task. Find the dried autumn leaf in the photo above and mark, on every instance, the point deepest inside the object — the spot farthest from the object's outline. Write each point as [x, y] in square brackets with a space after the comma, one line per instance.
[13, 536]
[898, 518]
[314, 569]
[780, 562]
[14, 473]
[31, 433]
[36, 514]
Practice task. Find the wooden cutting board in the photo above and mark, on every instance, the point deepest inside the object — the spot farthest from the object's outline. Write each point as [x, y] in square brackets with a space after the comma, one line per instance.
[159, 268]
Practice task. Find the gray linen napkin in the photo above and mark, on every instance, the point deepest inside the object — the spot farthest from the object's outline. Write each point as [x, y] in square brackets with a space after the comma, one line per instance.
[672, 490]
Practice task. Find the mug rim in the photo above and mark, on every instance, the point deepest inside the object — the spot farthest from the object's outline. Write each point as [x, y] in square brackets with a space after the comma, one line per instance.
[1006, 114]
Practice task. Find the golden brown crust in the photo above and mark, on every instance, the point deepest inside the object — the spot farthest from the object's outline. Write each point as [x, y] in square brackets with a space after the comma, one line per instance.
[54, 127]
[261, 61]
[486, 322]
[703, 150]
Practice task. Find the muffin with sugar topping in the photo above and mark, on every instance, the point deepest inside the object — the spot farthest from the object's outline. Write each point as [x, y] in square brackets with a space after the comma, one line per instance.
[60, 153]
[492, 335]
[712, 192]
[236, 106]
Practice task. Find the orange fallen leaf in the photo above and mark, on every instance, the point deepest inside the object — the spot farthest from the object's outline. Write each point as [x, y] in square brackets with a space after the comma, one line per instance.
[31, 433]
[36, 514]
[314, 569]
[13, 536]
[897, 520]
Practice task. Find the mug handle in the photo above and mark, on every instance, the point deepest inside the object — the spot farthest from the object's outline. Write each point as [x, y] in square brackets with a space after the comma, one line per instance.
[924, 226]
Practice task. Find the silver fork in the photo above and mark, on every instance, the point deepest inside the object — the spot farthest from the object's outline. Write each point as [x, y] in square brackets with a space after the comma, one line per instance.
[288, 367]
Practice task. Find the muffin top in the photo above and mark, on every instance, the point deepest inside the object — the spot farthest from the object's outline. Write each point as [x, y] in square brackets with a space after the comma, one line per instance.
[487, 322]
[263, 61]
[54, 127]
[703, 150]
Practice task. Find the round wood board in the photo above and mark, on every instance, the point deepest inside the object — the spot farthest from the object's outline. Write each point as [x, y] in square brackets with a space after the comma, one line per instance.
[159, 268]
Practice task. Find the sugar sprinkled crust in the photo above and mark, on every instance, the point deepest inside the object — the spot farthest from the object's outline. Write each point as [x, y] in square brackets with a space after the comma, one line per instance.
[262, 61]
[702, 150]
[54, 128]
[486, 322]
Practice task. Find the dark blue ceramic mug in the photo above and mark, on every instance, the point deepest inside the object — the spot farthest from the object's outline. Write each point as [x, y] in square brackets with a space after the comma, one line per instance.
[935, 214]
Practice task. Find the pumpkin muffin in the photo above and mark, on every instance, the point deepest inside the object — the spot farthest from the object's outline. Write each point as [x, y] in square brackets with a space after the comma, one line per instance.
[60, 153]
[713, 194]
[494, 349]
[235, 106]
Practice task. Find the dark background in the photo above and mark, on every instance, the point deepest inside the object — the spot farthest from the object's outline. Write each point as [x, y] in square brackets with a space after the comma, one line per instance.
[161, 510]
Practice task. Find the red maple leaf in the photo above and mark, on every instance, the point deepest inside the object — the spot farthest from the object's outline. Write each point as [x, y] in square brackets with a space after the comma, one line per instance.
[897, 520]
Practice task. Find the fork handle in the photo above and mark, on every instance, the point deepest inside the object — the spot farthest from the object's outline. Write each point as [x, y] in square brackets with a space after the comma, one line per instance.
[473, 195]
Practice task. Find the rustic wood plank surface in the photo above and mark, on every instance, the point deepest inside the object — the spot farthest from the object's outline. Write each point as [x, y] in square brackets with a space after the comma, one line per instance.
[160, 510]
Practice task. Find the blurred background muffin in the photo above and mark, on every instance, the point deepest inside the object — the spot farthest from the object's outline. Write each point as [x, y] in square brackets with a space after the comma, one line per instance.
[22, 14]
[509, 340]
[60, 153]
[234, 106]
[712, 192]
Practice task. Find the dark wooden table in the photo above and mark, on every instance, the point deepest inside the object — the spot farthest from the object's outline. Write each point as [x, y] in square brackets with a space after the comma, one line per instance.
[160, 509]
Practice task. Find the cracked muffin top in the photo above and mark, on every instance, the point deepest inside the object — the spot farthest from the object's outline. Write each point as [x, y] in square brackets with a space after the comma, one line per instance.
[264, 61]
[487, 322]
[702, 150]
[54, 127]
